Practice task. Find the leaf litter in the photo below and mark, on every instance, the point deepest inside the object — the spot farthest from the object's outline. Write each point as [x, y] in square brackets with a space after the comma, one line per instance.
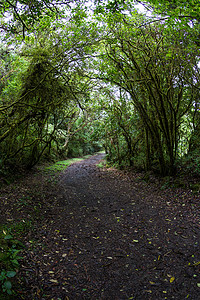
[112, 237]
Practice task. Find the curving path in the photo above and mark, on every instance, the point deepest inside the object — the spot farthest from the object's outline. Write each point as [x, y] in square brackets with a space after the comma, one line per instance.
[105, 234]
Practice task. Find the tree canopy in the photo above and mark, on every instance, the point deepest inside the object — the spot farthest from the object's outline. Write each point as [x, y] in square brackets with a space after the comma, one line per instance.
[79, 76]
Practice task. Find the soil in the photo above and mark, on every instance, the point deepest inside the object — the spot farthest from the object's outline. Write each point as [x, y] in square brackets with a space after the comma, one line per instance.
[97, 233]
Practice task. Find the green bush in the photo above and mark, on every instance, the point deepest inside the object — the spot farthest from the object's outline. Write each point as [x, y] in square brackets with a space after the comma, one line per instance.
[9, 260]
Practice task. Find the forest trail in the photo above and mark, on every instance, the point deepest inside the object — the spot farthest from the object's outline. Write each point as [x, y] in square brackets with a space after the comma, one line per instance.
[106, 234]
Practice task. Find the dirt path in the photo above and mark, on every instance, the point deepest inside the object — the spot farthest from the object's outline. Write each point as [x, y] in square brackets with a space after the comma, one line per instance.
[105, 234]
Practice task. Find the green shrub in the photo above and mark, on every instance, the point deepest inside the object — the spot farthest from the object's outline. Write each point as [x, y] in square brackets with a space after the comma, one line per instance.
[9, 260]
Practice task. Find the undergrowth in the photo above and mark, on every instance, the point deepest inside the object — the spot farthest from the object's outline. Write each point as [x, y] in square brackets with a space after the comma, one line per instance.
[10, 249]
[102, 164]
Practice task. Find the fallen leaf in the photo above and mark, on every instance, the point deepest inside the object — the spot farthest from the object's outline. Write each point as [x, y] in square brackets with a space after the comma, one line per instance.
[197, 263]
[172, 279]
[53, 280]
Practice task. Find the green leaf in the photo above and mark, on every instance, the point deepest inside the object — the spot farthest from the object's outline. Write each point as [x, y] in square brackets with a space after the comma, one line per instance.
[11, 274]
[7, 285]
[15, 262]
[8, 237]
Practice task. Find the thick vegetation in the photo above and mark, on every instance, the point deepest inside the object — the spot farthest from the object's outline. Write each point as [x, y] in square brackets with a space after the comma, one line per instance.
[74, 79]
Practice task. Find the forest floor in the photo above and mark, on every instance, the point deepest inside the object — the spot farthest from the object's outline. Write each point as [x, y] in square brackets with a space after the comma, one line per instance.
[97, 233]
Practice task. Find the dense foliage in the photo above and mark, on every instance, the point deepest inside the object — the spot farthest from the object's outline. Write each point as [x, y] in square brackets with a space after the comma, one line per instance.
[75, 78]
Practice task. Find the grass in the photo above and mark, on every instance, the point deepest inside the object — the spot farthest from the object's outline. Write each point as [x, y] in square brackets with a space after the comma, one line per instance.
[59, 166]
[101, 152]
[102, 164]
